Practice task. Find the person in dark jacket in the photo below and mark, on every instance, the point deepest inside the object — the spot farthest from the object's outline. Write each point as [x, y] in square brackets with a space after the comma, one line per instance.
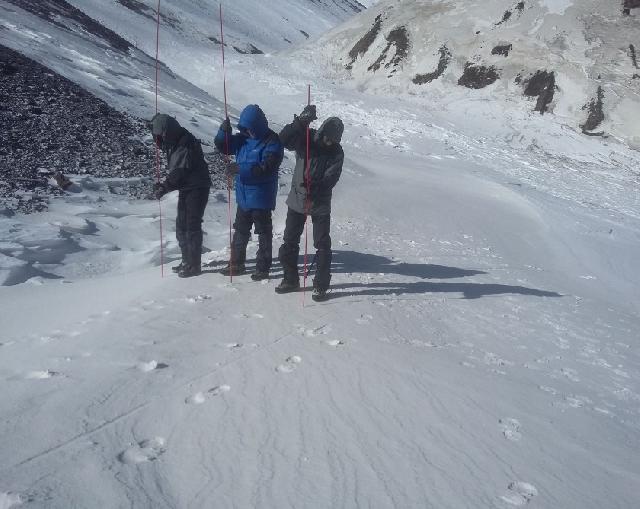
[258, 153]
[311, 195]
[627, 5]
[189, 175]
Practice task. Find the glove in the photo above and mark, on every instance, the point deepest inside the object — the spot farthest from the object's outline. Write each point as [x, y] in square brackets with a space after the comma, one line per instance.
[308, 115]
[226, 126]
[160, 189]
[232, 169]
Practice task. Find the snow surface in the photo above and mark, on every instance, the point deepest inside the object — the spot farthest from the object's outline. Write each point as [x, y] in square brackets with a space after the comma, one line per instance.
[480, 348]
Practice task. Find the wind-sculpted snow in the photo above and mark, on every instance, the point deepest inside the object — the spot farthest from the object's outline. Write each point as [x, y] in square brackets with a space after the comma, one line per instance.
[478, 347]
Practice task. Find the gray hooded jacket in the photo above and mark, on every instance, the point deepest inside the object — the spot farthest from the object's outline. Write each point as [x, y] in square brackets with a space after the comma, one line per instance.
[325, 165]
[186, 165]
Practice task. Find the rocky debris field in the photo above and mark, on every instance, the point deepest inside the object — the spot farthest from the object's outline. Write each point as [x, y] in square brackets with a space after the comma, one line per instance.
[51, 124]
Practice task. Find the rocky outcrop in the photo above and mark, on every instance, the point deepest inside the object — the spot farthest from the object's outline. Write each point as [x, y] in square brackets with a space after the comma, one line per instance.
[542, 85]
[399, 38]
[478, 76]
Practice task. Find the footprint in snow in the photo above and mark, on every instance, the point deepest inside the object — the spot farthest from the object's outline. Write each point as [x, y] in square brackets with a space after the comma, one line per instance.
[193, 299]
[571, 374]
[364, 319]
[41, 375]
[334, 343]
[147, 367]
[256, 316]
[520, 493]
[289, 365]
[511, 429]
[9, 500]
[147, 450]
[200, 397]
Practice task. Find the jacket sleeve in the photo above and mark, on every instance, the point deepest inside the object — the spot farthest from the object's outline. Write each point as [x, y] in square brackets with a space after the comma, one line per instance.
[235, 142]
[293, 137]
[330, 177]
[179, 166]
[271, 160]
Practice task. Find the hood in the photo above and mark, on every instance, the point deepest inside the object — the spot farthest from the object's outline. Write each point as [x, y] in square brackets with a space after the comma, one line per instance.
[167, 127]
[254, 119]
[332, 128]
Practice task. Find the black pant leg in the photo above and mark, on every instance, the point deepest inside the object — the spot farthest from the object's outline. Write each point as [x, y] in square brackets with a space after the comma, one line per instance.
[264, 229]
[322, 243]
[196, 203]
[290, 248]
[241, 235]
[181, 225]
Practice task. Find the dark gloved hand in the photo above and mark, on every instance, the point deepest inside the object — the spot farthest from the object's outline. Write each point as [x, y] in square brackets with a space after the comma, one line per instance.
[308, 115]
[226, 126]
[160, 189]
[232, 169]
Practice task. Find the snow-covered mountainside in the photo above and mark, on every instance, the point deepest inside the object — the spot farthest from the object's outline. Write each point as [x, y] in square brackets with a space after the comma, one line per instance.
[574, 59]
[479, 348]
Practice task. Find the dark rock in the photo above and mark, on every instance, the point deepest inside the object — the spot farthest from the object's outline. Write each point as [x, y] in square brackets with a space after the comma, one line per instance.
[362, 46]
[543, 85]
[398, 37]
[478, 76]
[502, 49]
[596, 112]
[632, 54]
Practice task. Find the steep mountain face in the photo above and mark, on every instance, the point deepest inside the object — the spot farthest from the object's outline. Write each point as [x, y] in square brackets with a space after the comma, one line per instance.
[575, 60]
[251, 26]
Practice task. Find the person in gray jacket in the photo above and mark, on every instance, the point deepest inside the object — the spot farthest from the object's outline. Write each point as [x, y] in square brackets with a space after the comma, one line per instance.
[311, 195]
[189, 175]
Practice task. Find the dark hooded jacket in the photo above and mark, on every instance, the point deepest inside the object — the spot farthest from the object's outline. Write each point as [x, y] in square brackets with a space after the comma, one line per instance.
[186, 165]
[258, 157]
[325, 165]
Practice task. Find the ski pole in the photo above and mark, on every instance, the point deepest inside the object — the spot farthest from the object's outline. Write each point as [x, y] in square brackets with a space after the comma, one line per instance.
[307, 205]
[226, 141]
[157, 147]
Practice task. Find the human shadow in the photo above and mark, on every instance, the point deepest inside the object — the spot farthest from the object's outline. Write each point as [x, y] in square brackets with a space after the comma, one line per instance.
[354, 262]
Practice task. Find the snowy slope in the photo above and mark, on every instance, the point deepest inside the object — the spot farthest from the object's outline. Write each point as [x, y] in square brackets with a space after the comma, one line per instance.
[422, 47]
[480, 348]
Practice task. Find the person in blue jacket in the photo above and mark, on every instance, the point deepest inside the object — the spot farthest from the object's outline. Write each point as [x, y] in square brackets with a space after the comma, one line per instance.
[258, 153]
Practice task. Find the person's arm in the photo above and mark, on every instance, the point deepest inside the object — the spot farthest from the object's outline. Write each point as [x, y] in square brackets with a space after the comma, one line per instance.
[271, 160]
[292, 136]
[232, 145]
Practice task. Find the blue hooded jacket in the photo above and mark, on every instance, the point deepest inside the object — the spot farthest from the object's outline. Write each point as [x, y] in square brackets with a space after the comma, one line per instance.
[259, 153]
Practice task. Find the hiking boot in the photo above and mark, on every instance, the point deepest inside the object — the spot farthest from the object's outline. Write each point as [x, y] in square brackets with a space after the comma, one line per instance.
[178, 267]
[260, 275]
[189, 271]
[235, 270]
[319, 295]
[288, 286]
